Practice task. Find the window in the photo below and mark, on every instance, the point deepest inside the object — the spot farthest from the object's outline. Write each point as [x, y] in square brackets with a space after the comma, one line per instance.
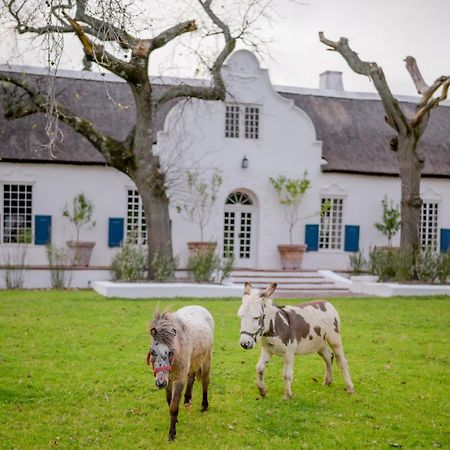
[330, 230]
[429, 225]
[232, 121]
[17, 213]
[251, 122]
[136, 227]
[248, 120]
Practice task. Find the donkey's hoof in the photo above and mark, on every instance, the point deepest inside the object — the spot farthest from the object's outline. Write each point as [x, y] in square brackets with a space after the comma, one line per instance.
[172, 436]
[350, 390]
[204, 407]
[287, 396]
[327, 382]
[187, 403]
[263, 392]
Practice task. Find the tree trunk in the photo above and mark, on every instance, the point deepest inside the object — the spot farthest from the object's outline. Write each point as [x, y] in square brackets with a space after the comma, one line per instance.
[410, 168]
[157, 220]
[148, 177]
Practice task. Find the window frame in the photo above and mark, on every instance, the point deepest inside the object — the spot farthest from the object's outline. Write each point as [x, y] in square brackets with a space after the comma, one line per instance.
[243, 127]
[436, 244]
[2, 212]
[141, 226]
[339, 233]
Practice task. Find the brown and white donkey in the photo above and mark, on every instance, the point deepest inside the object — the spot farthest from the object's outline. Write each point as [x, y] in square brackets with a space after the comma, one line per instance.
[289, 330]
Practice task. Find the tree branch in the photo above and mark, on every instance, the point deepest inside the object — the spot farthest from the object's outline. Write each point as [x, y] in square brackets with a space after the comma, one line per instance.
[394, 115]
[100, 55]
[217, 91]
[413, 69]
[171, 33]
[103, 30]
[423, 109]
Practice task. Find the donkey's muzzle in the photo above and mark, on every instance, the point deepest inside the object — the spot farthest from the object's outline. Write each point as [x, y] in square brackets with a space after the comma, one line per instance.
[247, 342]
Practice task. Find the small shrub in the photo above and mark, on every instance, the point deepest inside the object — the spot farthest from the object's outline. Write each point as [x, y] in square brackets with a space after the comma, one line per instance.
[130, 263]
[381, 263]
[58, 260]
[202, 265]
[398, 265]
[164, 265]
[225, 268]
[358, 262]
[444, 268]
[15, 267]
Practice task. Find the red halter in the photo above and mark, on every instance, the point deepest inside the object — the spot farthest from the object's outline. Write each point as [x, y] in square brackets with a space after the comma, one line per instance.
[156, 370]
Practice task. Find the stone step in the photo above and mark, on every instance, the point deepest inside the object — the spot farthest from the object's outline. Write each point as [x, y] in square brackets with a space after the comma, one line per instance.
[291, 283]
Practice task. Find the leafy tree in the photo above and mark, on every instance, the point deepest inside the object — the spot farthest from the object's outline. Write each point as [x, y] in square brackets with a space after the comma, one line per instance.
[201, 197]
[290, 194]
[80, 214]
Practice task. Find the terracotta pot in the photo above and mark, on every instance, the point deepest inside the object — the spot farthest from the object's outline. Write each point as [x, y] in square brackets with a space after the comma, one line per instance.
[291, 255]
[201, 246]
[80, 252]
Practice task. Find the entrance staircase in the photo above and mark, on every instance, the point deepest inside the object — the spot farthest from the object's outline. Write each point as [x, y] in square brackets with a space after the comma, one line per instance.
[291, 283]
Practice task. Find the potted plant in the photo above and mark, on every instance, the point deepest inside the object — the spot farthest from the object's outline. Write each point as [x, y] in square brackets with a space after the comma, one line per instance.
[80, 215]
[391, 219]
[198, 206]
[290, 192]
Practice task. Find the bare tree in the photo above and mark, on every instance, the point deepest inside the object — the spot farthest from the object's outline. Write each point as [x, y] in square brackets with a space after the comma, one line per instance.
[106, 33]
[409, 130]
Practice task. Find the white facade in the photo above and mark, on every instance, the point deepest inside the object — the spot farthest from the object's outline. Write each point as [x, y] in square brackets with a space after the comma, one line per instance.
[195, 134]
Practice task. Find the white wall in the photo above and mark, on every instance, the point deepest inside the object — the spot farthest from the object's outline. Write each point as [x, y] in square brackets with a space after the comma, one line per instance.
[54, 185]
[194, 136]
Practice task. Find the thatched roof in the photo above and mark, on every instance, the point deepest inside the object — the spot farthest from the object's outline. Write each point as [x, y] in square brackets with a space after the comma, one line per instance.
[352, 128]
[356, 138]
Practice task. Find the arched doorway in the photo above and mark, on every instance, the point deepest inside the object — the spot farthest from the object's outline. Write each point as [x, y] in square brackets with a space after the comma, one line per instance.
[238, 229]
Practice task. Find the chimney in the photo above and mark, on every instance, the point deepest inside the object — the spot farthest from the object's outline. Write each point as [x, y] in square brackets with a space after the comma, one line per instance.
[331, 80]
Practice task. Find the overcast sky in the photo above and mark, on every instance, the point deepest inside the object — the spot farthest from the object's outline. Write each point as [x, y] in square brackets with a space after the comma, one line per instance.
[384, 31]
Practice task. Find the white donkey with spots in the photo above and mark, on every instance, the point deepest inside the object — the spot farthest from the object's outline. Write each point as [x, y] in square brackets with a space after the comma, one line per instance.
[289, 330]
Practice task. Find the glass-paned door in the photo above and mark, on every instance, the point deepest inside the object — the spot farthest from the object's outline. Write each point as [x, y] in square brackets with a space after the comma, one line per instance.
[237, 229]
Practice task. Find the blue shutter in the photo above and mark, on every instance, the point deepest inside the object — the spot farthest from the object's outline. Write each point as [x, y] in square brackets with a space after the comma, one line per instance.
[312, 237]
[445, 240]
[42, 230]
[115, 231]
[351, 238]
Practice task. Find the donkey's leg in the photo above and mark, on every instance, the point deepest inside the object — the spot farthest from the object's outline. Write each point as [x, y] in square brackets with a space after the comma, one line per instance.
[288, 373]
[260, 368]
[188, 392]
[174, 406]
[336, 345]
[327, 356]
[206, 368]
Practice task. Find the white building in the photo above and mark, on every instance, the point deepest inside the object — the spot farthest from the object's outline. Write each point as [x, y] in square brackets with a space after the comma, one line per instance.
[338, 137]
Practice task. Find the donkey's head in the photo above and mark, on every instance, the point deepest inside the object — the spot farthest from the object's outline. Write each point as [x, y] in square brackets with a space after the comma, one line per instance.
[162, 351]
[252, 314]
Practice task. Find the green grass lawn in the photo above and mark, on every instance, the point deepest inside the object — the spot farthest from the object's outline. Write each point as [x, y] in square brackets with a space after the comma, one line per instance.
[73, 375]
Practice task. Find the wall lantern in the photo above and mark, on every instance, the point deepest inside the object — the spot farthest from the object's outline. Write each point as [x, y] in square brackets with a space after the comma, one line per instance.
[244, 162]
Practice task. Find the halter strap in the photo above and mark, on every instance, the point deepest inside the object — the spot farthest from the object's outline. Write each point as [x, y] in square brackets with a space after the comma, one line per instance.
[156, 370]
[260, 330]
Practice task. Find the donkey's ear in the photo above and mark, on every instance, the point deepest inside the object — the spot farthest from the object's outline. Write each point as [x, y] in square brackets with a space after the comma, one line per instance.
[153, 332]
[269, 291]
[247, 288]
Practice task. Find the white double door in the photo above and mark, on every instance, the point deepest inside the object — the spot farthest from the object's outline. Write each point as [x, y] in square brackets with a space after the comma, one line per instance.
[238, 236]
